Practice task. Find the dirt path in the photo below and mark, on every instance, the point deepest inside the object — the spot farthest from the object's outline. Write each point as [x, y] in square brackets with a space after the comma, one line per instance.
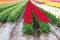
[5, 31]
[17, 33]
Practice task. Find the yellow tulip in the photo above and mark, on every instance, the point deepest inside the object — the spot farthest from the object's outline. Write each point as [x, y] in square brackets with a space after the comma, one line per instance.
[54, 4]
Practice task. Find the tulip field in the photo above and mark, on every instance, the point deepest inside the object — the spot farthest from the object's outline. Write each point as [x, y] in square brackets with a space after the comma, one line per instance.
[29, 20]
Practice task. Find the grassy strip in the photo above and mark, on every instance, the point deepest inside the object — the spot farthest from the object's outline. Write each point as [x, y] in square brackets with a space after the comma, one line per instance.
[8, 5]
[5, 6]
[58, 22]
[4, 15]
[16, 13]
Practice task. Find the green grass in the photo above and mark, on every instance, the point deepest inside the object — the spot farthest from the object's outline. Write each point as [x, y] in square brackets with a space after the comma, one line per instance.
[5, 6]
[14, 15]
[8, 5]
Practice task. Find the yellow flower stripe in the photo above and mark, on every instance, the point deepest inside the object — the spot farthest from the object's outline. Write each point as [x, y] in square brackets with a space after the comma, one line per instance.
[42, 0]
[54, 4]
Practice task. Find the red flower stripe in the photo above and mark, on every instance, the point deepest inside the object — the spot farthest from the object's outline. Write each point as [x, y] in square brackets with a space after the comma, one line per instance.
[39, 14]
[27, 14]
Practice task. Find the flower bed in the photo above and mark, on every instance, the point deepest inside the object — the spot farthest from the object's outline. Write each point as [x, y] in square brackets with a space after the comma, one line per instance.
[51, 13]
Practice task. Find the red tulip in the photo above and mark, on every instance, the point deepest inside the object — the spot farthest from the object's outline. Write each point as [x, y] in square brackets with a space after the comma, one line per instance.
[39, 14]
[27, 14]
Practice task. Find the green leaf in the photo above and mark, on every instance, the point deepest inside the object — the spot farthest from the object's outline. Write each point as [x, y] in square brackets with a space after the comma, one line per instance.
[27, 29]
